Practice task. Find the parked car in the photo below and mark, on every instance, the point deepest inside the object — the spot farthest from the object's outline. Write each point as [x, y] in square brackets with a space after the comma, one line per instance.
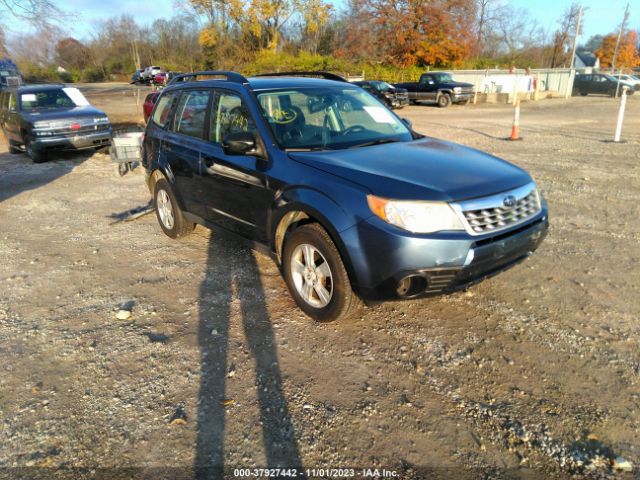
[601, 83]
[136, 77]
[148, 104]
[9, 74]
[150, 72]
[343, 195]
[438, 87]
[388, 94]
[630, 79]
[44, 118]
[164, 78]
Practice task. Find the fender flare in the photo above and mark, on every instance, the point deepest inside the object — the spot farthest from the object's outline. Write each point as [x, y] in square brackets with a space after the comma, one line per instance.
[304, 204]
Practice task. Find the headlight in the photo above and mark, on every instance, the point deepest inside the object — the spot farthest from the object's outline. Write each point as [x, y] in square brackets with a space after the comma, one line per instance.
[40, 125]
[415, 216]
[101, 120]
[457, 89]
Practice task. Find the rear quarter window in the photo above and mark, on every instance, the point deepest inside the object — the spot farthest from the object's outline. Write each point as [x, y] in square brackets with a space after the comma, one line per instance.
[161, 114]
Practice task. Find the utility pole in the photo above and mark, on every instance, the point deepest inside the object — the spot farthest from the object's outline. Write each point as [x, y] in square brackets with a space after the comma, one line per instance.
[622, 25]
[575, 39]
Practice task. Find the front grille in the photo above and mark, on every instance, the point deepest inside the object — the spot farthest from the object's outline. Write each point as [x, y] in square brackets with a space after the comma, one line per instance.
[502, 211]
[467, 90]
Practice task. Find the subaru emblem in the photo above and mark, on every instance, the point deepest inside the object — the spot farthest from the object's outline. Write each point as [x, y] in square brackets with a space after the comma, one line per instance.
[509, 201]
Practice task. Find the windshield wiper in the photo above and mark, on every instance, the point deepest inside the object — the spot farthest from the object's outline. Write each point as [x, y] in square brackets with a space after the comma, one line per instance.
[380, 141]
[306, 149]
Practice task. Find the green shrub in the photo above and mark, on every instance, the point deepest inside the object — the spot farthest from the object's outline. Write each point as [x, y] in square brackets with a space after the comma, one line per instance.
[92, 74]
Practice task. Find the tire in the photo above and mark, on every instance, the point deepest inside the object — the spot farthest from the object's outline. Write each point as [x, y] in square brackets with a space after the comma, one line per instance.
[34, 155]
[412, 102]
[584, 94]
[122, 168]
[168, 212]
[338, 300]
[14, 149]
[444, 100]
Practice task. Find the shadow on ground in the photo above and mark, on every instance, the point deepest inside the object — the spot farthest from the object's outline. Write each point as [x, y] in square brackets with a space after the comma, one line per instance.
[236, 270]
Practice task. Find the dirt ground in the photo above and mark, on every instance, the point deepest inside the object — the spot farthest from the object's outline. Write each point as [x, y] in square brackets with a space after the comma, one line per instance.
[531, 374]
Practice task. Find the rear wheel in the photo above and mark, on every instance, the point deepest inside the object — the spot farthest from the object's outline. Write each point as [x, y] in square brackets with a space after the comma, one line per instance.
[444, 100]
[316, 276]
[168, 212]
[584, 94]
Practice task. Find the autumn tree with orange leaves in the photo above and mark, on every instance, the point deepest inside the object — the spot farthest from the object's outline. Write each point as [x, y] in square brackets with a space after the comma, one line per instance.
[628, 54]
[419, 32]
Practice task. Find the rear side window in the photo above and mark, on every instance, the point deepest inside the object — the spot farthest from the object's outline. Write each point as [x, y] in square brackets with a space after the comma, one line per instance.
[191, 113]
[163, 109]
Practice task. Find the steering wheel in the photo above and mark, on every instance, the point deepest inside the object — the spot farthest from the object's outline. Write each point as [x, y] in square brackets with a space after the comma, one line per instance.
[354, 129]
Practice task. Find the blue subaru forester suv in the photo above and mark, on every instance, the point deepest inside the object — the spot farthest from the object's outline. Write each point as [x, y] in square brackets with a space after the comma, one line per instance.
[347, 199]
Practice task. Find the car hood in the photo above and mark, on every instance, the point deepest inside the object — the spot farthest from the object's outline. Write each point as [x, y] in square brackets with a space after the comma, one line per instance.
[63, 114]
[425, 169]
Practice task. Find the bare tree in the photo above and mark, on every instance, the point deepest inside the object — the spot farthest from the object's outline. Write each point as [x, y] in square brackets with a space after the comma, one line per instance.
[3, 47]
[564, 36]
[487, 14]
[36, 12]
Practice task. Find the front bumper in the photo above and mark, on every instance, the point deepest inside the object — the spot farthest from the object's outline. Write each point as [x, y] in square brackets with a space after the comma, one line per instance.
[461, 97]
[399, 102]
[436, 264]
[80, 141]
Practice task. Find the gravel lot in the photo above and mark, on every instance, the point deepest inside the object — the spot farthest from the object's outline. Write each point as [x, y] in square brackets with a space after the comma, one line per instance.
[531, 374]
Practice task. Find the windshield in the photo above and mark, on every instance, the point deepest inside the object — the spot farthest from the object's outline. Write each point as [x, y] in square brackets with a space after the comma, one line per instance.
[382, 86]
[329, 118]
[45, 100]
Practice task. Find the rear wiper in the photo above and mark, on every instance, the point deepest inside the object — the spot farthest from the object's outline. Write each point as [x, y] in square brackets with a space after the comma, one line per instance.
[380, 141]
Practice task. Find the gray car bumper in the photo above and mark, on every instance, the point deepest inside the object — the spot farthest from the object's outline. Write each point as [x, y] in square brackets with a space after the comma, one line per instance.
[76, 142]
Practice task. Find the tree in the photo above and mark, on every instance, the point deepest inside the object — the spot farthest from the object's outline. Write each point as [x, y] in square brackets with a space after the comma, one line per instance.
[591, 45]
[315, 16]
[516, 34]
[487, 14]
[564, 35]
[37, 12]
[3, 47]
[70, 53]
[409, 32]
[628, 55]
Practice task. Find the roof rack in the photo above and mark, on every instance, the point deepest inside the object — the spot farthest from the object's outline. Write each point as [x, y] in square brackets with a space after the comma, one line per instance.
[325, 75]
[191, 77]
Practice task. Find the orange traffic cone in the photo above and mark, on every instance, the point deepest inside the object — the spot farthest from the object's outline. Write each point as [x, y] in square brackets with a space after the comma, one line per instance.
[515, 129]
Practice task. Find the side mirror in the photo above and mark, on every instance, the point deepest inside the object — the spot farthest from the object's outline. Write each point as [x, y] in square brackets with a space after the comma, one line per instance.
[239, 143]
[407, 122]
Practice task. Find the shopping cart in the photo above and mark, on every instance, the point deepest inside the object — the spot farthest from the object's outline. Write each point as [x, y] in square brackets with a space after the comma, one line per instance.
[126, 149]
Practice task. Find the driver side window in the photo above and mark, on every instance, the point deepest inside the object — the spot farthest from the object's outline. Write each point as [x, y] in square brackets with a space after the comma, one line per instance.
[230, 115]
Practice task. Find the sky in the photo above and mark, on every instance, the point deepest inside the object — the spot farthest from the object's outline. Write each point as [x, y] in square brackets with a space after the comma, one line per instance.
[600, 16]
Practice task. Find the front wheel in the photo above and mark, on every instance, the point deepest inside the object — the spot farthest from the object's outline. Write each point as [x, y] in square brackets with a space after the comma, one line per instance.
[35, 155]
[444, 100]
[316, 276]
[168, 212]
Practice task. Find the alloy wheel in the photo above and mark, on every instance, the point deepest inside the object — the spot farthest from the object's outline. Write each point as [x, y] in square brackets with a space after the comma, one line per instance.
[165, 209]
[311, 275]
